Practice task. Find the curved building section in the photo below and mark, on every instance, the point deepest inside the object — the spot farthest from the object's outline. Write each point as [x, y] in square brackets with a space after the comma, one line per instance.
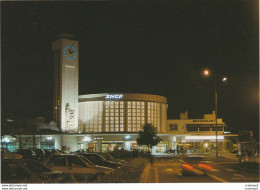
[122, 112]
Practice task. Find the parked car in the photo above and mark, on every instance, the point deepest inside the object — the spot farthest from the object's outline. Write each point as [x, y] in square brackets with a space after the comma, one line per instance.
[57, 151]
[5, 153]
[40, 154]
[100, 160]
[26, 153]
[110, 158]
[47, 152]
[75, 166]
[195, 165]
[27, 171]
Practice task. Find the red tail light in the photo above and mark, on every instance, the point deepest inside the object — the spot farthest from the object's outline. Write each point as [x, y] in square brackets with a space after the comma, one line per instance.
[205, 166]
[187, 166]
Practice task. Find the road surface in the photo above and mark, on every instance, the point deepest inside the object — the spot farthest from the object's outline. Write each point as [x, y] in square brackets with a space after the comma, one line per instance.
[168, 170]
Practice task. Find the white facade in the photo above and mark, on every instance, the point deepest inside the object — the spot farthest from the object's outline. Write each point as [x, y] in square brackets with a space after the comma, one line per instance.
[66, 84]
[121, 112]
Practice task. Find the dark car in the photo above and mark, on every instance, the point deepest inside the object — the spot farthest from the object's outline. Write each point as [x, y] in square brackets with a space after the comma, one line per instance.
[27, 171]
[110, 158]
[47, 152]
[40, 154]
[195, 165]
[99, 160]
[76, 166]
[57, 151]
[5, 153]
[26, 153]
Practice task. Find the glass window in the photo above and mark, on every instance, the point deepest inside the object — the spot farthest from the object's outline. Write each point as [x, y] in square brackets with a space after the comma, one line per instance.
[74, 161]
[57, 161]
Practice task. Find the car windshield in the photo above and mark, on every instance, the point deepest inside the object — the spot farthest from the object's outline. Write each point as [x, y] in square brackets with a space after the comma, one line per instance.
[57, 161]
[104, 155]
[86, 160]
[75, 161]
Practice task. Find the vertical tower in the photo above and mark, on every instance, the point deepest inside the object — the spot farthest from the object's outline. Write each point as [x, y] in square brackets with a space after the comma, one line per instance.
[66, 83]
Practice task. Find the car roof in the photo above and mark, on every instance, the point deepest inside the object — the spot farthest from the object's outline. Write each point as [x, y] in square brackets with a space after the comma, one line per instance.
[77, 155]
[18, 160]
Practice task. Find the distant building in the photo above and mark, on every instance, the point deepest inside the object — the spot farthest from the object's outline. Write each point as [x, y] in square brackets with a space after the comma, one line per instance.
[199, 135]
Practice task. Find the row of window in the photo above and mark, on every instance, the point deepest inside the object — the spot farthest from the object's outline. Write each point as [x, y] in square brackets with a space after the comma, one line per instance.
[91, 115]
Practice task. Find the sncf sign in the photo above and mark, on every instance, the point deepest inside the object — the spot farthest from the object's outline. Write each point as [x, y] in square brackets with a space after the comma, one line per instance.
[114, 96]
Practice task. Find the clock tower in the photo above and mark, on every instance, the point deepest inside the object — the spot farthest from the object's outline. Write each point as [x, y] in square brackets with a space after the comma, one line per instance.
[66, 59]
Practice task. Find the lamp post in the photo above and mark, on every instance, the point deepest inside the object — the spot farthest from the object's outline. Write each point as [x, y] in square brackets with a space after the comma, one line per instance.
[206, 72]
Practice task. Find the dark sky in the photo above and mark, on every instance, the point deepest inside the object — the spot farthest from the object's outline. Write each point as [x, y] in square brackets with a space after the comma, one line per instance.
[152, 47]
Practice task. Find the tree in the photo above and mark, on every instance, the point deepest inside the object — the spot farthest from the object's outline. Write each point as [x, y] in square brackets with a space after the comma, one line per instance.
[148, 136]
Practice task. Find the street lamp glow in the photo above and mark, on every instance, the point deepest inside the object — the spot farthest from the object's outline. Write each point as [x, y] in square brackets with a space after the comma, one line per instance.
[206, 72]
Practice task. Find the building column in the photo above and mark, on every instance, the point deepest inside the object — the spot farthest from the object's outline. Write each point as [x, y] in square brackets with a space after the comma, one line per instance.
[127, 145]
[57, 141]
[99, 146]
[174, 143]
[153, 149]
[69, 143]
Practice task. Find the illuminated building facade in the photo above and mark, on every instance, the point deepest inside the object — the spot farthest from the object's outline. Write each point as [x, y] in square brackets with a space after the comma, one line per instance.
[66, 83]
[121, 113]
[105, 122]
[199, 135]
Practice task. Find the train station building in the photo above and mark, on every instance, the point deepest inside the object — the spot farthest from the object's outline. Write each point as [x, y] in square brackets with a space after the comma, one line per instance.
[109, 121]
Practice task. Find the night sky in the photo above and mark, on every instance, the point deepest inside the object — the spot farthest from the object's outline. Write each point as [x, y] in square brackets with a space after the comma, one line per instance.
[151, 47]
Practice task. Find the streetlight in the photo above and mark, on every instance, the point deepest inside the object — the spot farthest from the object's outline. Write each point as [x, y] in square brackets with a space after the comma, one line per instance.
[206, 73]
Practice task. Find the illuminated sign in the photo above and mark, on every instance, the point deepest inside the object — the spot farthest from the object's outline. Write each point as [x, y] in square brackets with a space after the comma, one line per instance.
[128, 137]
[114, 96]
[203, 138]
[203, 120]
[98, 138]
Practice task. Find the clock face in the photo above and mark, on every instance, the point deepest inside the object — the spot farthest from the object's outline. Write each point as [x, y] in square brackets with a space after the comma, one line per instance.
[70, 52]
